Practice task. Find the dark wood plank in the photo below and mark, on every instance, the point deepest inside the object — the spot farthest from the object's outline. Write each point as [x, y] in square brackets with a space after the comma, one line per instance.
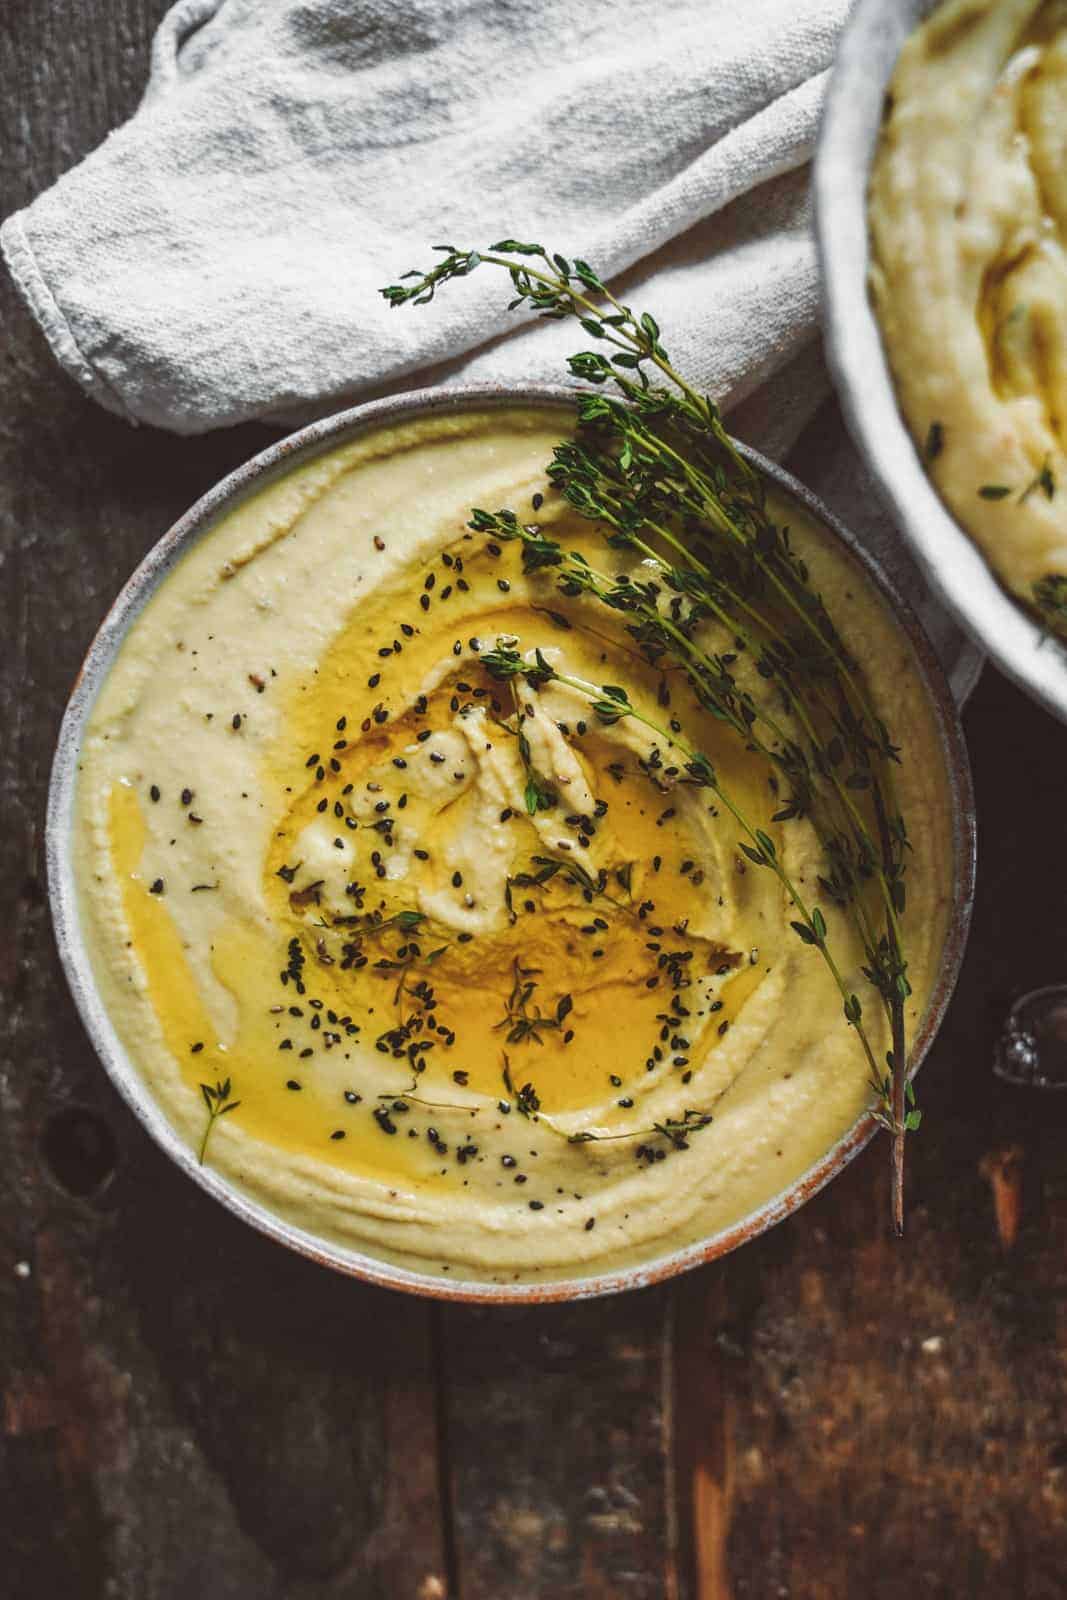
[559, 1446]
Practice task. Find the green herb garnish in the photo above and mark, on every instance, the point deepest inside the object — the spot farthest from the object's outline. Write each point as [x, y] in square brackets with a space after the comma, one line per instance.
[218, 1102]
[1050, 597]
[1045, 481]
[524, 1019]
[656, 469]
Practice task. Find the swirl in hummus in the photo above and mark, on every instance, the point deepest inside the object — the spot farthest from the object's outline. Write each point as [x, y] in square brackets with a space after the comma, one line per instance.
[968, 217]
[492, 983]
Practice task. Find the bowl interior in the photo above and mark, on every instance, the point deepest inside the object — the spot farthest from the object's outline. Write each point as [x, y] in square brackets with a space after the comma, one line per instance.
[196, 524]
[952, 564]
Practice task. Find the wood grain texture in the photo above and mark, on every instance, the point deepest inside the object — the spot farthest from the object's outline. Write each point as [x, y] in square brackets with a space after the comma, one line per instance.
[558, 1438]
[185, 1409]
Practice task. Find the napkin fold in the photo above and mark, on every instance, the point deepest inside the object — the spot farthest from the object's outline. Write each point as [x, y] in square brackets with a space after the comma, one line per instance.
[219, 257]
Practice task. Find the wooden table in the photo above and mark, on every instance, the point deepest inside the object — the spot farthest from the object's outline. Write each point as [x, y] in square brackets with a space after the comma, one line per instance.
[187, 1412]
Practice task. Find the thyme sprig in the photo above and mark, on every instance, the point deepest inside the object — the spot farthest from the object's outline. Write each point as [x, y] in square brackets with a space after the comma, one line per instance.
[654, 467]
[674, 1129]
[539, 793]
[523, 1017]
[217, 1099]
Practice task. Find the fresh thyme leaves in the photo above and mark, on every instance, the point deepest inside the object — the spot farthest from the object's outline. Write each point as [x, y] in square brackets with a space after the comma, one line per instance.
[218, 1102]
[543, 869]
[539, 794]
[673, 1130]
[1045, 480]
[523, 1019]
[676, 1128]
[407, 956]
[1050, 597]
[658, 472]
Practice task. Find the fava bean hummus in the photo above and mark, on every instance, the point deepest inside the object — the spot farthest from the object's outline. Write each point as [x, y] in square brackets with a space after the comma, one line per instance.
[968, 212]
[490, 987]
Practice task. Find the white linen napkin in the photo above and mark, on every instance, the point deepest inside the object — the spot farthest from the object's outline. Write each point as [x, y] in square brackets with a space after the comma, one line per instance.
[219, 257]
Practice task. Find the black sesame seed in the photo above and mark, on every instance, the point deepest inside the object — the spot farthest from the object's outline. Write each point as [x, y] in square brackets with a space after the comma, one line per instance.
[153, 792]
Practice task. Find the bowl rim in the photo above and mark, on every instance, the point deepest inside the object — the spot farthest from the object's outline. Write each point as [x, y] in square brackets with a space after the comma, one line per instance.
[950, 560]
[249, 478]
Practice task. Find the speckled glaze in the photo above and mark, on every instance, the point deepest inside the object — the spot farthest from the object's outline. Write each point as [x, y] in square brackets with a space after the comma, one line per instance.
[270, 464]
[952, 564]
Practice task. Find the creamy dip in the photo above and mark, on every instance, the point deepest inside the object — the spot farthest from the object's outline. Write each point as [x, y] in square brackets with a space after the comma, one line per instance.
[463, 1032]
[968, 212]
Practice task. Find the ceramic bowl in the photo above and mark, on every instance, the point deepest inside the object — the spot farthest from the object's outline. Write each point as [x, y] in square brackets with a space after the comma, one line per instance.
[951, 563]
[197, 524]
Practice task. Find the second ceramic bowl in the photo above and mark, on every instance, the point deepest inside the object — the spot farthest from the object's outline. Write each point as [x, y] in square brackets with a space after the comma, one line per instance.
[950, 561]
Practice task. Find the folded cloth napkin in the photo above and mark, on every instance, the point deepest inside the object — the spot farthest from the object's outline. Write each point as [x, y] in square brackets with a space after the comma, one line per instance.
[219, 257]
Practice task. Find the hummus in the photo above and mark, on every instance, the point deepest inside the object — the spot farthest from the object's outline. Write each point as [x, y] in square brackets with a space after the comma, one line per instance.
[968, 216]
[495, 993]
